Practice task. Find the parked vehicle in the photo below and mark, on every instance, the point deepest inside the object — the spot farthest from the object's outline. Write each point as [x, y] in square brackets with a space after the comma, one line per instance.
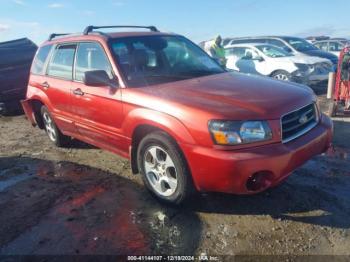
[183, 121]
[312, 39]
[272, 61]
[15, 59]
[334, 46]
[293, 45]
[340, 102]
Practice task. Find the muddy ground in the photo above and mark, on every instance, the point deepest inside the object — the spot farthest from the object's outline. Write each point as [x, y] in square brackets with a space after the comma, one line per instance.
[82, 200]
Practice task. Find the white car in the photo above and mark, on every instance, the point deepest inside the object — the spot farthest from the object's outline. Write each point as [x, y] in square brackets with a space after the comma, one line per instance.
[332, 46]
[270, 60]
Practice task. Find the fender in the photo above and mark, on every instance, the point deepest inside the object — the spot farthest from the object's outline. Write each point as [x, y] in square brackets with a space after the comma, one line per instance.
[34, 93]
[170, 124]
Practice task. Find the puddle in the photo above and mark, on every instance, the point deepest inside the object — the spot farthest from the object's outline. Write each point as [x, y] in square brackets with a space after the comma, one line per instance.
[75, 209]
[13, 181]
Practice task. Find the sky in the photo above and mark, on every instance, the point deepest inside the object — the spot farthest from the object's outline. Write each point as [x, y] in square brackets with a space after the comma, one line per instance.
[196, 19]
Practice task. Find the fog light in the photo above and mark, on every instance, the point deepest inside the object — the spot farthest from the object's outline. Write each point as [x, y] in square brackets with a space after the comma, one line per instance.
[259, 181]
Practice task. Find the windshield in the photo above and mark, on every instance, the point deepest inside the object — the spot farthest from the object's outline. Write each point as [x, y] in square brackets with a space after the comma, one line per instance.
[300, 44]
[150, 60]
[272, 51]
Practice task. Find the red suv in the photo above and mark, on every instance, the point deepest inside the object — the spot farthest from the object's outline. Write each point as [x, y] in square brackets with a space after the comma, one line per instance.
[184, 122]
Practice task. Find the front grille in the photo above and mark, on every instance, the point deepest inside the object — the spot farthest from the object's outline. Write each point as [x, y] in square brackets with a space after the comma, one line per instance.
[298, 122]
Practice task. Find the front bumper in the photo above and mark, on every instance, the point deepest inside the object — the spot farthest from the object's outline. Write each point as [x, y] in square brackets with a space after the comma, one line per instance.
[228, 171]
[310, 79]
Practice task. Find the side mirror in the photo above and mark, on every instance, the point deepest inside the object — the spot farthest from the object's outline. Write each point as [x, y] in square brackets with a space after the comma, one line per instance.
[99, 78]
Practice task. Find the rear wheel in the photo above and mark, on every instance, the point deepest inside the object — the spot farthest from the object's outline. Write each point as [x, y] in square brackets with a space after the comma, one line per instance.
[52, 130]
[281, 75]
[164, 169]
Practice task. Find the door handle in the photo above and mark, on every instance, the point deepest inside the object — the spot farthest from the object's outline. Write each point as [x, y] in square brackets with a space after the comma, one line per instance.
[78, 92]
[45, 85]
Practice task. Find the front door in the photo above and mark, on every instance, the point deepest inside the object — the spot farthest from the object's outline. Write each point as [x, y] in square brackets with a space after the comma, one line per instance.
[98, 108]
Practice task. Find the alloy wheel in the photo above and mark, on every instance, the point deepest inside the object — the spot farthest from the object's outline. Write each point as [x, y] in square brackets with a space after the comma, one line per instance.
[160, 171]
[282, 77]
[49, 126]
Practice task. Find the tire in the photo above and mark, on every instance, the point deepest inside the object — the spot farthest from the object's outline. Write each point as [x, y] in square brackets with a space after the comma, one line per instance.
[164, 169]
[332, 109]
[281, 75]
[52, 131]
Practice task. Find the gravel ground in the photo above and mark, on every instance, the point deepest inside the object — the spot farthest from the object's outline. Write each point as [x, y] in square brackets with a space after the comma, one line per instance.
[82, 200]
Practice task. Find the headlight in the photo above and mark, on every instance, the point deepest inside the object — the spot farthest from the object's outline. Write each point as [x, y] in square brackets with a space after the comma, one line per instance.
[239, 132]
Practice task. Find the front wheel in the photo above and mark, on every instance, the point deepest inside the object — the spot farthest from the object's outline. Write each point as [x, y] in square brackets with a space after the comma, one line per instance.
[164, 169]
[281, 75]
[52, 130]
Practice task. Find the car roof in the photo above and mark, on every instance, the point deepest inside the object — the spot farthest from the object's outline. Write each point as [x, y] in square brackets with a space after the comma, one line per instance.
[93, 36]
[262, 36]
[266, 37]
[247, 45]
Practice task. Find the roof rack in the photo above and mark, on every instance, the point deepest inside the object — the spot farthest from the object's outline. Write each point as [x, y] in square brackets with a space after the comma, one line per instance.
[90, 28]
[52, 36]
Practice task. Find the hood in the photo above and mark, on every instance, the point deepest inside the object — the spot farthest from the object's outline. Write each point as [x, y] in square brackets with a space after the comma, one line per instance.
[323, 54]
[223, 96]
[302, 59]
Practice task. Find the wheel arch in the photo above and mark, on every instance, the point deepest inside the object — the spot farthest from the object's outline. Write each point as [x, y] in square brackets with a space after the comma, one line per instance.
[144, 121]
[279, 70]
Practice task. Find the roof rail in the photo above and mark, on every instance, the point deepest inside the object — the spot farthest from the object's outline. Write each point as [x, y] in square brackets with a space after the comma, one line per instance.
[52, 36]
[90, 28]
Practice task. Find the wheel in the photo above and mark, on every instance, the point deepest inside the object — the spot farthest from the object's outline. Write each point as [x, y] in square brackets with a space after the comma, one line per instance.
[332, 109]
[52, 130]
[281, 75]
[164, 169]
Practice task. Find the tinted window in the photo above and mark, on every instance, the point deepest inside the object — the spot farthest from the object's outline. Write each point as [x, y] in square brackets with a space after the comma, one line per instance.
[61, 64]
[90, 57]
[237, 52]
[323, 46]
[276, 42]
[39, 61]
[150, 60]
[335, 46]
[273, 51]
[248, 41]
[300, 44]
[242, 53]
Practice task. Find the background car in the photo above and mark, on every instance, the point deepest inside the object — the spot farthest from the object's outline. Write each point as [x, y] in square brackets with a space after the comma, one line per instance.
[15, 60]
[293, 45]
[269, 60]
[334, 46]
[312, 39]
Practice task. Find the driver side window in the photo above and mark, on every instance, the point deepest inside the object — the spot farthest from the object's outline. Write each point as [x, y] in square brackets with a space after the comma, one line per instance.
[91, 57]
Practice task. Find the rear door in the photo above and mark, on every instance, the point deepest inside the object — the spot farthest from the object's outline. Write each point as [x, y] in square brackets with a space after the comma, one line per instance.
[98, 108]
[57, 86]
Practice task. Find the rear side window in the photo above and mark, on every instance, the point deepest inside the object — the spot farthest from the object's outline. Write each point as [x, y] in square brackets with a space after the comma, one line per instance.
[249, 41]
[238, 52]
[40, 59]
[61, 64]
[90, 57]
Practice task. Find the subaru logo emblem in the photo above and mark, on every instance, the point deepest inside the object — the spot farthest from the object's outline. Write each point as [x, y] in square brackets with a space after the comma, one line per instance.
[303, 119]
